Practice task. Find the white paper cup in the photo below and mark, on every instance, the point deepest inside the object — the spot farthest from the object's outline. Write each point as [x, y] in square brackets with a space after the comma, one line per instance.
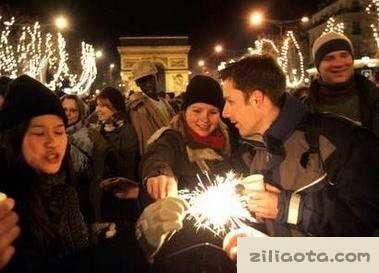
[3, 196]
[254, 182]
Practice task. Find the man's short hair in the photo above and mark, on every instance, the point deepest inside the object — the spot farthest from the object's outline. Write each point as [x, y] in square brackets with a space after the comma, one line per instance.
[257, 72]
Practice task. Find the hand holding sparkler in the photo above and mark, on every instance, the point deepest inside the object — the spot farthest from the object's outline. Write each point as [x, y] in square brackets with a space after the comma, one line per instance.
[162, 186]
[158, 222]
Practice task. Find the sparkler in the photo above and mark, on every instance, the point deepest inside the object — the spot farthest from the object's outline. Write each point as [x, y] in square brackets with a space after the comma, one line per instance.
[216, 206]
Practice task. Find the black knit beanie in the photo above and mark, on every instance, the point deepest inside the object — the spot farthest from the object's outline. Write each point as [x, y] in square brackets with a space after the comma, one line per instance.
[203, 89]
[28, 98]
[329, 42]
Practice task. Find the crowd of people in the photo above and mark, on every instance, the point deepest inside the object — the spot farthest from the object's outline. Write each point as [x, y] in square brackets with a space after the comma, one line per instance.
[97, 191]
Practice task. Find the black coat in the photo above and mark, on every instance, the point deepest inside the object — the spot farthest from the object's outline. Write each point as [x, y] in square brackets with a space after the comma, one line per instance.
[368, 100]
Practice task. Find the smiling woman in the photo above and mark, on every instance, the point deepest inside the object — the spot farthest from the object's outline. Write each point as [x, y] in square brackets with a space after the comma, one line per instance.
[196, 146]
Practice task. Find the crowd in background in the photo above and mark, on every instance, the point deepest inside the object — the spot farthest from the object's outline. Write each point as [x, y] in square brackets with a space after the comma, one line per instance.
[93, 186]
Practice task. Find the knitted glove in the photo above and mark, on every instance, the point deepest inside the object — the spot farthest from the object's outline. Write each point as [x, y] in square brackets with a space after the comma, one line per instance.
[158, 222]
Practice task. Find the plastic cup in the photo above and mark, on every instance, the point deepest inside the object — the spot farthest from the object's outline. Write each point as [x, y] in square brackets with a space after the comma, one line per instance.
[254, 182]
[3, 196]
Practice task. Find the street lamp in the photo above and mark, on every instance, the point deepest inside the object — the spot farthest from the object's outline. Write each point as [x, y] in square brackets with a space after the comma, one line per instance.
[256, 18]
[99, 53]
[61, 22]
[305, 19]
[201, 63]
[111, 66]
[218, 48]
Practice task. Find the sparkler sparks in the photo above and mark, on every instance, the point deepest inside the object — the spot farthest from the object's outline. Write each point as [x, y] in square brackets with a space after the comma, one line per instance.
[217, 207]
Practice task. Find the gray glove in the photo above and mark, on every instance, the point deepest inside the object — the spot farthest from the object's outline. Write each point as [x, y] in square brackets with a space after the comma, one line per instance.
[158, 222]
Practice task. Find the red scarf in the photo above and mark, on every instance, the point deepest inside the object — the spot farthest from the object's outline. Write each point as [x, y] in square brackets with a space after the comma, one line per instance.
[214, 140]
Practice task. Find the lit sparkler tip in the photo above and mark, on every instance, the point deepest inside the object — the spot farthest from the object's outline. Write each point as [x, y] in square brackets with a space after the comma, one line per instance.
[216, 206]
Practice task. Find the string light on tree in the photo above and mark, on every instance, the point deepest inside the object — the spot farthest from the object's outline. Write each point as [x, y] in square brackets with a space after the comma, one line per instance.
[34, 53]
[332, 26]
[373, 8]
[293, 78]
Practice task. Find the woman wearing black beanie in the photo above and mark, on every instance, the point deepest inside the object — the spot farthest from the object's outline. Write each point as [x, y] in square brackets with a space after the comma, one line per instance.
[195, 146]
[35, 170]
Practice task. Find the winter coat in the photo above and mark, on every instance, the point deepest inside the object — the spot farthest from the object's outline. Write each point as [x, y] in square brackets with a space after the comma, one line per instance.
[146, 117]
[122, 160]
[53, 228]
[364, 100]
[327, 169]
[173, 152]
[124, 142]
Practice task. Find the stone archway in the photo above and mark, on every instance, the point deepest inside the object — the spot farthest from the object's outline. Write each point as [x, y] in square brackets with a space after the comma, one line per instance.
[170, 53]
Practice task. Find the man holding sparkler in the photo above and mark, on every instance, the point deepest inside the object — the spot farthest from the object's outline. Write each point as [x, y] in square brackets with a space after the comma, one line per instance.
[321, 171]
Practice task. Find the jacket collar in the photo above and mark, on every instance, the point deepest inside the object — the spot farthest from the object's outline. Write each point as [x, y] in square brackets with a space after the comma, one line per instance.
[291, 114]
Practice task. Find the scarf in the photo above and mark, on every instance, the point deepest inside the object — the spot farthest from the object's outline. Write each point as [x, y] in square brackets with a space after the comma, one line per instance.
[59, 209]
[114, 122]
[214, 140]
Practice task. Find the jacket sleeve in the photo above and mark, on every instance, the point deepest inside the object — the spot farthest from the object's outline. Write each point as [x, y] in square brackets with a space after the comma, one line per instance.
[162, 155]
[143, 126]
[346, 203]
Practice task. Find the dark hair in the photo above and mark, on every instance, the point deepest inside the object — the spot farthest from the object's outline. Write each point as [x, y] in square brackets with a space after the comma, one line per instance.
[258, 72]
[78, 102]
[116, 98]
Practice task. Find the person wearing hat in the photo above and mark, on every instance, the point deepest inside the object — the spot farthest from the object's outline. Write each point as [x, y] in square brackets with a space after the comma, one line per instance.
[34, 170]
[148, 111]
[338, 89]
[195, 145]
[195, 142]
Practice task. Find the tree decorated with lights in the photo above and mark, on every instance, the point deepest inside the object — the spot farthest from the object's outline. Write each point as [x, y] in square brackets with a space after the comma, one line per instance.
[291, 60]
[289, 57]
[373, 9]
[26, 49]
[265, 46]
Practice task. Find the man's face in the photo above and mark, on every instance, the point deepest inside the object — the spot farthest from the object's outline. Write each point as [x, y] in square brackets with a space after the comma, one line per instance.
[241, 112]
[148, 85]
[336, 67]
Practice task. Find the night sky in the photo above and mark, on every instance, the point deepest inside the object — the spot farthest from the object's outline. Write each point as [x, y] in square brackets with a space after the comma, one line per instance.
[205, 22]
